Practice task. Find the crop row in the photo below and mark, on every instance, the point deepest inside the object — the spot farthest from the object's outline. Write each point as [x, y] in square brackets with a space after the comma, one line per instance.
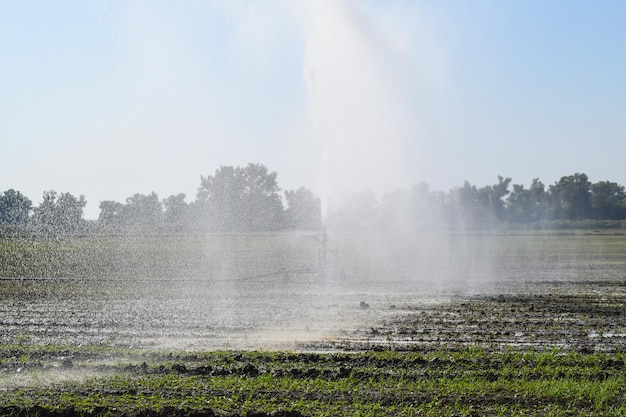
[468, 382]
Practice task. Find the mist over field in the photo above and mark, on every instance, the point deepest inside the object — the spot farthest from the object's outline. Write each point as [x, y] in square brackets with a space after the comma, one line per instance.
[355, 107]
[323, 207]
[335, 96]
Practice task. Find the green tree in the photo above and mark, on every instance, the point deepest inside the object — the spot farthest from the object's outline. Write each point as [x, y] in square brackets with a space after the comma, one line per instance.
[60, 213]
[176, 209]
[303, 210]
[14, 207]
[497, 197]
[608, 200]
[240, 199]
[461, 207]
[519, 206]
[262, 203]
[219, 199]
[527, 205]
[540, 200]
[143, 209]
[571, 197]
[477, 208]
[111, 213]
[490, 199]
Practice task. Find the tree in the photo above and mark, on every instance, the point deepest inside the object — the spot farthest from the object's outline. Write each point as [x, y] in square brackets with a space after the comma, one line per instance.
[14, 207]
[490, 200]
[608, 200]
[219, 198]
[304, 210]
[111, 213]
[240, 199]
[519, 206]
[498, 193]
[359, 212]
[527, 205]
[539, 200]
[262, 204]
[399, 211]
[70, 212]
[412, 210]
[60, 214]
[461, 206]
[143, 209]
[176, 210]
[571, 197]
[140, 209]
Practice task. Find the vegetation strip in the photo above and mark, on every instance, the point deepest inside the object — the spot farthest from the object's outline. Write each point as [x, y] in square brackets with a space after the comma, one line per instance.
[467, 382]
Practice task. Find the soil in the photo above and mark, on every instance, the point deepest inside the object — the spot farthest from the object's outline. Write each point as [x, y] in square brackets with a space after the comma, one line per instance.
[585, 316]
[564, 299]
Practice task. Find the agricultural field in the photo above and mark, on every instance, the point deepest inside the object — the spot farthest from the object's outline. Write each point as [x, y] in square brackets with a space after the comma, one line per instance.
[299, 325]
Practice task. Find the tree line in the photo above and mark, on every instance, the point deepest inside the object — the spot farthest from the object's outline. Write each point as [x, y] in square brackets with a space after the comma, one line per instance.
[249, 199]
[571, 202]
[233, 199]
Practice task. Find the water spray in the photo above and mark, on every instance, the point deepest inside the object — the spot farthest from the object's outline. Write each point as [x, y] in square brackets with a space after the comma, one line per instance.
[322, 251]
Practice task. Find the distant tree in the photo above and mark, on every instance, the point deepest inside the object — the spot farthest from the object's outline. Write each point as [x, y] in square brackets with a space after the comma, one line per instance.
[111, 213]
[219, 199]
[46, 212]
[70, 211]
[240, 199]
[60, 213]
[303, 210]
[432, 212]
[540, 201]
[176, 210]
[412, 210]
[608, 200]
[571, 197]
[527, 205]
[359, 211]
[143, 209]
[519, 205]
[14, 207]
[490, 199]
[263, 207]
[497, 197]
[399, 211]
[461, 206]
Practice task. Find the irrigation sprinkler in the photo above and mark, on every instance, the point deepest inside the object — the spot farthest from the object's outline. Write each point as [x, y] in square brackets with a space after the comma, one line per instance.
[322, 252]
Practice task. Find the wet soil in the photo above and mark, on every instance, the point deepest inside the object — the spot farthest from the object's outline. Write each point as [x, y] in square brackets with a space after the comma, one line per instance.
[586, 316]
[558, 294]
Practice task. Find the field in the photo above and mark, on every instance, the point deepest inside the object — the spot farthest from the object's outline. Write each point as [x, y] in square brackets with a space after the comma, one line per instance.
[511, 324]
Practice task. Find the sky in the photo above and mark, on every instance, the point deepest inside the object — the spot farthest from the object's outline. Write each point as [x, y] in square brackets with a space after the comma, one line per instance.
[109, 99]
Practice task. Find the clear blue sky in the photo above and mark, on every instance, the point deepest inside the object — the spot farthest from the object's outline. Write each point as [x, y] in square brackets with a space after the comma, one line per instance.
[108, 99]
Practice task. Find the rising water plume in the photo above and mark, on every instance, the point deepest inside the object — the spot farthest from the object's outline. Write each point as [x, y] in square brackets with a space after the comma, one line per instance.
[361, 86]
[357, 83]
[224, 288]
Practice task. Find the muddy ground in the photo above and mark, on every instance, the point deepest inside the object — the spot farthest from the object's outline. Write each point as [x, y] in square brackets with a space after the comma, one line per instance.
[502, 294]
[527, 291]
[580, 315]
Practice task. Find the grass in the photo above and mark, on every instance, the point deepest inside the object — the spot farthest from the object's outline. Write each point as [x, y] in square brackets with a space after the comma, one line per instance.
[467, 382]
[350, 256]
[155, 256]
[354, 257]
